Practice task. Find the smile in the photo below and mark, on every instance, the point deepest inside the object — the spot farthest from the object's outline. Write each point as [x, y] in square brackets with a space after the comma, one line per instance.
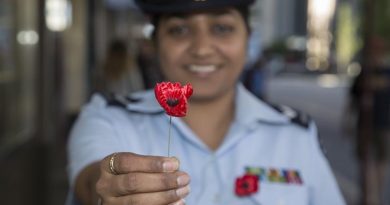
[202, 69]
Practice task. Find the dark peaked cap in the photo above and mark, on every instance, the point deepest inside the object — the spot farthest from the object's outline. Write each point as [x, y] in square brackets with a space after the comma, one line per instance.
[173, 6]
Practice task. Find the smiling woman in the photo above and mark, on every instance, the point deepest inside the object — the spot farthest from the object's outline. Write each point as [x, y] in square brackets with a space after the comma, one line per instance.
[206, 49]
[227, 132]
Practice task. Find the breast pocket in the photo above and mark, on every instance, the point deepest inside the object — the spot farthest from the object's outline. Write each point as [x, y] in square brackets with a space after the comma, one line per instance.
[282, 194]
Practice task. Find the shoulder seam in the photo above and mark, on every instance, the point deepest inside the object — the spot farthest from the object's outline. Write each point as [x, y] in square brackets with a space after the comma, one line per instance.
[119, 100]
[124, 102]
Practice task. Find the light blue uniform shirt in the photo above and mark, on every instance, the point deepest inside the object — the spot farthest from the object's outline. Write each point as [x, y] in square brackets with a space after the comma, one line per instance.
[260, 138]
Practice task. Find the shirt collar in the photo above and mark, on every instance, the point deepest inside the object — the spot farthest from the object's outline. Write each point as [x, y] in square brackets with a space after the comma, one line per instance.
[250, 109]
[146, 103]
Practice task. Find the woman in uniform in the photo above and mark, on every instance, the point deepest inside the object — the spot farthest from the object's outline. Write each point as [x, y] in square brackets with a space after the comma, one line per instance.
[230, 148]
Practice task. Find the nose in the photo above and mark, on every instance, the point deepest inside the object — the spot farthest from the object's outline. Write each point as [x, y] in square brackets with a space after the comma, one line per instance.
[202, 45]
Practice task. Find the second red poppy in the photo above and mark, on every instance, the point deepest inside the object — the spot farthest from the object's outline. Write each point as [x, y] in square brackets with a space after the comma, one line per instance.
[247, 185]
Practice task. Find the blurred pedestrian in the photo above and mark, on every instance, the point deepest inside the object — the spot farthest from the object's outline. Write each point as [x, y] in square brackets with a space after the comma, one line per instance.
[373, 149]
[148, 64]
[119, 74]
[380, 83]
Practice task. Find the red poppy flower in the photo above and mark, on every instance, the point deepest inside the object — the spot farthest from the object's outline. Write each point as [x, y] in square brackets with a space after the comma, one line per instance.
[247, 185]
[173, 97]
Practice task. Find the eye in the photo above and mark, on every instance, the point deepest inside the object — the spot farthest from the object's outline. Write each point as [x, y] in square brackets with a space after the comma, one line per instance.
[223, 29]
[178, 30]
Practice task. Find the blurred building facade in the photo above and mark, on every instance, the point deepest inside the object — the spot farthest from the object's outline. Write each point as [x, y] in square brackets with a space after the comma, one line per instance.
[280, 19]
[50, 51]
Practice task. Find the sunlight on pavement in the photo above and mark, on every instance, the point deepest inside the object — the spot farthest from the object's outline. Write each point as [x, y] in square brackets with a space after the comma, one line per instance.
[328, 81]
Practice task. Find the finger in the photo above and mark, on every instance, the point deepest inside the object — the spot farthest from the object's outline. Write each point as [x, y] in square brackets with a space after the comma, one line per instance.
[180, 202]
[124, 163]
[165, 197]
[138, 182]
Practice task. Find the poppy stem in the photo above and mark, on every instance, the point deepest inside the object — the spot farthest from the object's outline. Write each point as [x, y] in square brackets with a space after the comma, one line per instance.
[169, 135]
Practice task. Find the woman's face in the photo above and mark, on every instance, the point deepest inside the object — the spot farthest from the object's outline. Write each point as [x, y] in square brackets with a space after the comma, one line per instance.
[206, 49]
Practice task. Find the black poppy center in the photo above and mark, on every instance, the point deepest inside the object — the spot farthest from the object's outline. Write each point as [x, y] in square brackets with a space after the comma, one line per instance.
[245, 185]
[172, 102]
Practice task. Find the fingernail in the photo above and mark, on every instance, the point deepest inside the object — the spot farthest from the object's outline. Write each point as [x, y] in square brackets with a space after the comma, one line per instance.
[182, 192]
[171, 165]
[181, 202]
[183, 180]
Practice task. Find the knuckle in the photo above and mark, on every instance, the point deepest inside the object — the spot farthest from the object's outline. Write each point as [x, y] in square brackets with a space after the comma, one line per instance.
[123, 161]
[133, 201]
[132, 183]
[169, 180]
[172, 195]
[108, 201]
[100, 186]
[119, 165]
[104, 163]
[157, 165]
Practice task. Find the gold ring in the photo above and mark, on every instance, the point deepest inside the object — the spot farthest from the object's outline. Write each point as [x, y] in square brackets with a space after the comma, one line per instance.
[112, 168]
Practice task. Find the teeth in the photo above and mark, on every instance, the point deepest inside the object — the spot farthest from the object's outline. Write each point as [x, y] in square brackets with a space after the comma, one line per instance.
[202, 68]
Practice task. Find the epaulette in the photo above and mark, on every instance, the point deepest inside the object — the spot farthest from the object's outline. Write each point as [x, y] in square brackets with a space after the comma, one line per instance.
[119, 100]
[295, 116]
[133, 103]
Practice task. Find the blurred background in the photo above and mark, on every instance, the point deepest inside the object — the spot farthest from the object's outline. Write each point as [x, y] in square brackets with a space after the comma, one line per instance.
[328, 58]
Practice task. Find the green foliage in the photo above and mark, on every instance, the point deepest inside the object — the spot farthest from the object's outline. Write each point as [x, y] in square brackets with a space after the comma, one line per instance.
[347, 39]
[278, 47]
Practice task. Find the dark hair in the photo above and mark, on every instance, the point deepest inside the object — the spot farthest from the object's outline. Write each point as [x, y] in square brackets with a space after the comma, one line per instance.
[243, 10]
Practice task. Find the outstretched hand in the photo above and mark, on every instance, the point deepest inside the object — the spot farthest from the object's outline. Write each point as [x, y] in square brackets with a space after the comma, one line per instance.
[128, 178]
